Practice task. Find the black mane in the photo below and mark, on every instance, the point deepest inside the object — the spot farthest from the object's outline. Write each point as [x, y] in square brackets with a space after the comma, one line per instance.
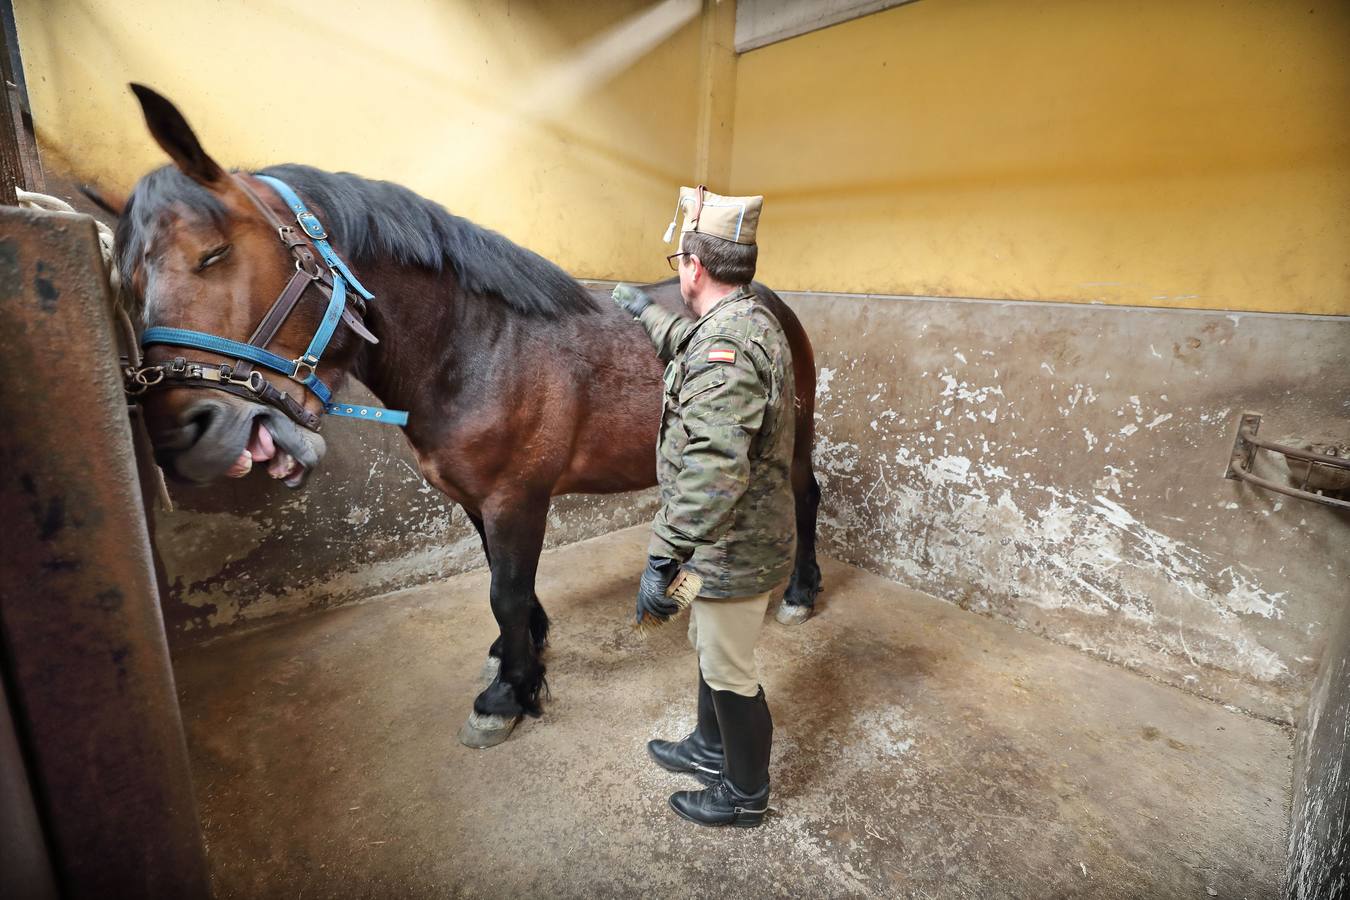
[378, 220]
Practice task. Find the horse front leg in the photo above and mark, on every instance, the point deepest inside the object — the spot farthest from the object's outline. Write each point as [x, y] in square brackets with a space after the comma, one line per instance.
[513, 529]
[538, 618]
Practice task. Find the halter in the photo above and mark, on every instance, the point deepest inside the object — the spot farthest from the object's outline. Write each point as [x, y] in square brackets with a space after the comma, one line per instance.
[336, 282]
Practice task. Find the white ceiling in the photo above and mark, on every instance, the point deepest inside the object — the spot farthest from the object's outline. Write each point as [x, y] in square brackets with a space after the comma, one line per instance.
[760, 22]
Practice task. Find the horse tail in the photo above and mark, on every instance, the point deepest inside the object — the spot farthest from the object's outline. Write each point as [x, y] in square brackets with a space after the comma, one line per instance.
[800, 597]
[803, 371]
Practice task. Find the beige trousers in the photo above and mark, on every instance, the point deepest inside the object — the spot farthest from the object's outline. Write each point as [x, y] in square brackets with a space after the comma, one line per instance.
[724, 633]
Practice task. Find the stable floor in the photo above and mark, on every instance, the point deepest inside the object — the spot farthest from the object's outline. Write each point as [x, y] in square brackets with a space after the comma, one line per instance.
[920, 751]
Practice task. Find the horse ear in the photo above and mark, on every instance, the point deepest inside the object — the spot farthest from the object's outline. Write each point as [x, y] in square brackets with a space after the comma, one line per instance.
[170, 130]
[110, 202]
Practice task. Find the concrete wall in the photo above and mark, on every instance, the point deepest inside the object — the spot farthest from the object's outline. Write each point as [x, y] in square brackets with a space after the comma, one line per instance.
[245, 551]
[1319, 837]
[1060, 466]
[538, 119]
[1155, 153]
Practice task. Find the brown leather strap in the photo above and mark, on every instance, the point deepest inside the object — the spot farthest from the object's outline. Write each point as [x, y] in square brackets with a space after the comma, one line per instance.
[267, 212]
[355, 324]
[277, 315]
[306, 271]
[275, 318]
[198, 374]
[295, 240]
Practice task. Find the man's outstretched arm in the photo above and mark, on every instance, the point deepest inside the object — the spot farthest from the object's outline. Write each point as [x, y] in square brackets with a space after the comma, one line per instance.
[666, 329]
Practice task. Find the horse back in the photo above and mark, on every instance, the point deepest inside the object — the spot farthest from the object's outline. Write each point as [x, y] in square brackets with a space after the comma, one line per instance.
[667, 293]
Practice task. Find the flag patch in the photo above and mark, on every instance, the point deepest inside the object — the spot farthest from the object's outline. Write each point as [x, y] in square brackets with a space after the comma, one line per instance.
[725, 355]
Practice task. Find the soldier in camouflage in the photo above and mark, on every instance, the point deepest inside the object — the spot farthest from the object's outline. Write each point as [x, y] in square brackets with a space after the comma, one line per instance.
[724, 459]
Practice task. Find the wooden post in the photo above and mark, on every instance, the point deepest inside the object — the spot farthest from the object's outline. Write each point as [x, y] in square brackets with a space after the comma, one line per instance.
[20, 166]
[86, 661]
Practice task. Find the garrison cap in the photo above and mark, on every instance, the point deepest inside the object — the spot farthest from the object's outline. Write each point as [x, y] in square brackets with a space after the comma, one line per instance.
[733, 219]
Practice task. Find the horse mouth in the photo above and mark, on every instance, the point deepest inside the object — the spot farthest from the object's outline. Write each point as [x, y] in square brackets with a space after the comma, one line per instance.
[262, 447]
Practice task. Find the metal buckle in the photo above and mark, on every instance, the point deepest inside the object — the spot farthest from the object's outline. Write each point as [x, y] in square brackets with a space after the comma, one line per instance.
[137, 381]
[306, 365]
[254, 382]
[316, 275]
[311, 225]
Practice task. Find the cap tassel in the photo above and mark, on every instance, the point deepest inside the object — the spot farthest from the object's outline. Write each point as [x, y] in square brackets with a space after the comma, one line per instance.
[674, 221]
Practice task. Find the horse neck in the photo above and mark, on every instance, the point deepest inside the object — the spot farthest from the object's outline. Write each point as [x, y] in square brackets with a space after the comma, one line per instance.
[424, 324]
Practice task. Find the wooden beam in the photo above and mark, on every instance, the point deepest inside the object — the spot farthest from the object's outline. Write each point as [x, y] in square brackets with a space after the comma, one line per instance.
[20, 166]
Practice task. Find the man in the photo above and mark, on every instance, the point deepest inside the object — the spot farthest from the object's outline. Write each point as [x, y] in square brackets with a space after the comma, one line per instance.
[723, 460]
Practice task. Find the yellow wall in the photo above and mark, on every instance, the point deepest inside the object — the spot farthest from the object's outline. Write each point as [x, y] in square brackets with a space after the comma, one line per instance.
[1186, 153]
[1162, 153]
[424, 93]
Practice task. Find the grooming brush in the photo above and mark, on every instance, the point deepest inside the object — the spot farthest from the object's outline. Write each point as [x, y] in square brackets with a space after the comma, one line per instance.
[682, 590]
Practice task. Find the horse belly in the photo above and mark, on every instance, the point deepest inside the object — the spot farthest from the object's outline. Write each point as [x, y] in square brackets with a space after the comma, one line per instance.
[612, 460]
[614, 444]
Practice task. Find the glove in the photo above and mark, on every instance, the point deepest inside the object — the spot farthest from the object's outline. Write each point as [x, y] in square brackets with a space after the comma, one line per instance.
[634, 300]
[651, 597]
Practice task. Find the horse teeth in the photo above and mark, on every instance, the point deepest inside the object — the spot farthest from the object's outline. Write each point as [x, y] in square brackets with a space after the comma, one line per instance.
[281, 465]
[295, 475]
[242, 466]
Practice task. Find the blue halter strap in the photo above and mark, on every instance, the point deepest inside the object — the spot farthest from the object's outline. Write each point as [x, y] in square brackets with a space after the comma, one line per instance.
[301, 369]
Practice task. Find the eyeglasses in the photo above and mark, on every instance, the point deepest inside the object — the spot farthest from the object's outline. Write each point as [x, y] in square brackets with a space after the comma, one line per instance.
[673, 259]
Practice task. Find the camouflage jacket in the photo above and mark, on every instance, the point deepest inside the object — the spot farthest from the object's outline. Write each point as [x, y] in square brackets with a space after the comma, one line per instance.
[724, 456]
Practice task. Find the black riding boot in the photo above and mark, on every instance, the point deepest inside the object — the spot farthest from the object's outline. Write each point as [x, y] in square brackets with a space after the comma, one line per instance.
[700, 754]
[742, 796]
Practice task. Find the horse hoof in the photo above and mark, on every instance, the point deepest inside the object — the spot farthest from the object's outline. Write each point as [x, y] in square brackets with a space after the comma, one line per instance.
[483, 731]
[491, 666]
[792, 614]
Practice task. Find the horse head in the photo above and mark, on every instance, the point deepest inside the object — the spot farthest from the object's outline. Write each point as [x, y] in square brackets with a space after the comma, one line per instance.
[200, 252]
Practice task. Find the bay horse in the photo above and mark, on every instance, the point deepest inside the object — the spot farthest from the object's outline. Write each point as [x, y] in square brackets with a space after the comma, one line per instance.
[519, 383]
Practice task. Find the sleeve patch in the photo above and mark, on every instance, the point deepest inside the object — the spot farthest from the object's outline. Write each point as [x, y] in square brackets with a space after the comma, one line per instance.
[722, 355]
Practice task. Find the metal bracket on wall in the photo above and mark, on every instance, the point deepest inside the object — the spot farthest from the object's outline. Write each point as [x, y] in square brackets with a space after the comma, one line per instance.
[1247, 444]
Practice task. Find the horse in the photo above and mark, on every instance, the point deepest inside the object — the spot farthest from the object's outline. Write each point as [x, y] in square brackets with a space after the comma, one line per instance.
[519, 383]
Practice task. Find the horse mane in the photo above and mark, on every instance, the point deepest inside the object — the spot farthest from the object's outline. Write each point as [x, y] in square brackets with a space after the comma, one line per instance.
[380, 219]
[376, 220]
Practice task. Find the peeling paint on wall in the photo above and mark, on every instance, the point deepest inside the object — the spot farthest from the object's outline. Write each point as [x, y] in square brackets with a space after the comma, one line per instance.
[1040, 464]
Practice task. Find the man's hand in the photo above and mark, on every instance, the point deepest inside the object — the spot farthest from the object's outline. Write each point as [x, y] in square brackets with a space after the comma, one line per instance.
[634, 300]
[651, 598]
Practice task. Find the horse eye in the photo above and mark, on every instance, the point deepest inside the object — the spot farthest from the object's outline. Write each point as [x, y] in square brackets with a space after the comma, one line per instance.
[211, 257]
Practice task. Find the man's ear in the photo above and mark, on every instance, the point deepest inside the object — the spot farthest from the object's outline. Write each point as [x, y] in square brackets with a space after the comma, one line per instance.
[170, 130]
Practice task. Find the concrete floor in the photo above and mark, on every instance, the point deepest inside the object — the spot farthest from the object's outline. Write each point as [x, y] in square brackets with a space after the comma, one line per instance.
[921, 751]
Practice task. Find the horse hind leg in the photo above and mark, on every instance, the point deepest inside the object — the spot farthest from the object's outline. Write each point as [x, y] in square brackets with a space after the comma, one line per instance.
[804, 586]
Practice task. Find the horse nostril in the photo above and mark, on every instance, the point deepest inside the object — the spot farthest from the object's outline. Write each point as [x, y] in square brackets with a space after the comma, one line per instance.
[197, 419]
[193, 423]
